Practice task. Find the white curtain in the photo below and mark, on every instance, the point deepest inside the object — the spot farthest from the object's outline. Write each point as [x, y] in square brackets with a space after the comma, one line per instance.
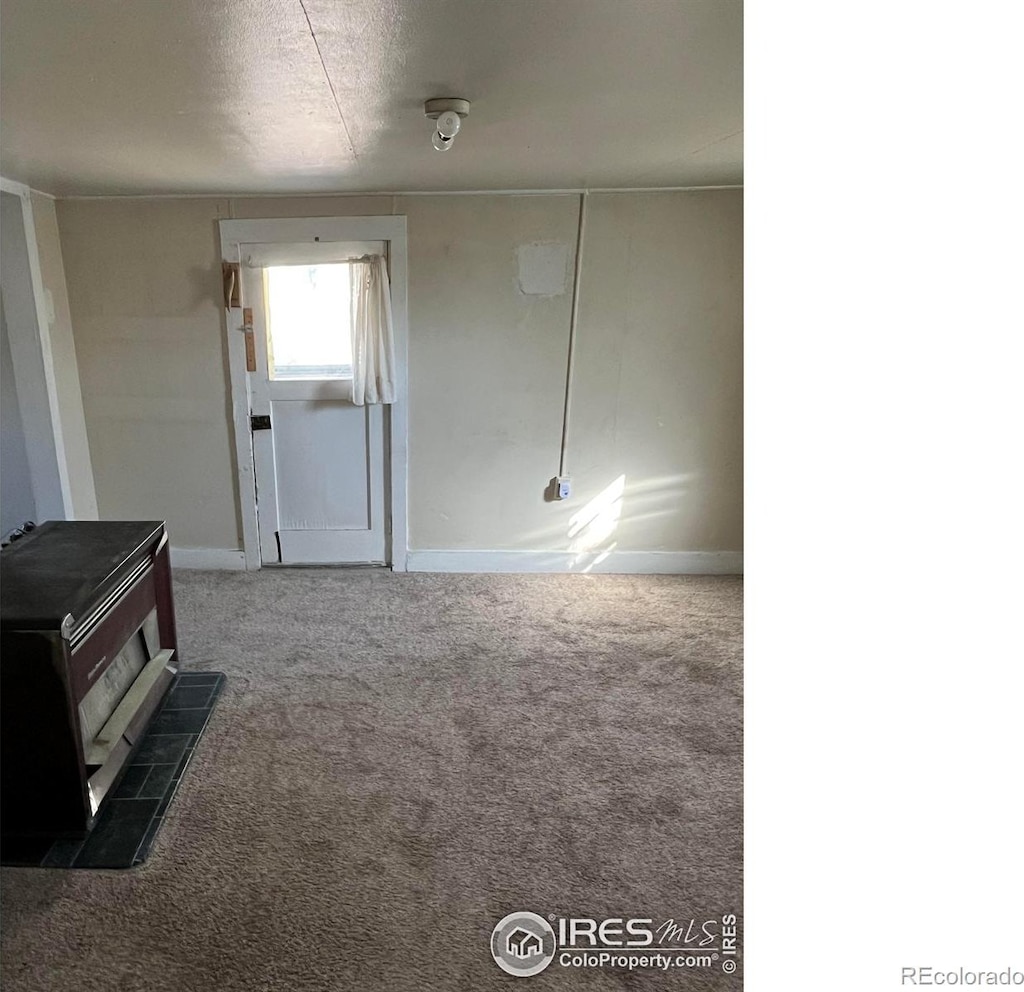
[373, 339]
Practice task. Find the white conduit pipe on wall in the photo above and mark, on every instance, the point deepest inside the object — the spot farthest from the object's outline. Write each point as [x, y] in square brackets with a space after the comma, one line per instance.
[566, 410]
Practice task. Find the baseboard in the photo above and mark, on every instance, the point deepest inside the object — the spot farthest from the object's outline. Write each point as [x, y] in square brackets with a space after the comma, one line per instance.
[633, 562]
[623, 562]
[212, 558]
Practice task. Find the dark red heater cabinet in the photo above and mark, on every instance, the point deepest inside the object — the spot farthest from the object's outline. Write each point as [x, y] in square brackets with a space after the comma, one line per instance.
[88, 649]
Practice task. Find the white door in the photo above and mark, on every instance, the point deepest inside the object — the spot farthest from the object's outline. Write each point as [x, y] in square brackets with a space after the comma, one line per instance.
[318, 459]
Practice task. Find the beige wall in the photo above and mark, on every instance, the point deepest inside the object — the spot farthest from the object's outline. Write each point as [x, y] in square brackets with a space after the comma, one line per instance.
[659, 367]
[657, 391]
[65, 362]
[143, 280]
[486, 371]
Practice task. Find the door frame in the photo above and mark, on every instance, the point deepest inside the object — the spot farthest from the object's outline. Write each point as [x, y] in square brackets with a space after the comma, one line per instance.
[291, 230]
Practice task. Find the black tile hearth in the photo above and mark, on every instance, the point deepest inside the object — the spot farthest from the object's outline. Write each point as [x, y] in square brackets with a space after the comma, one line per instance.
[134, 813]
[186, 697]
[118, 835]
[159, 749]
[134, 778]
[190, 721]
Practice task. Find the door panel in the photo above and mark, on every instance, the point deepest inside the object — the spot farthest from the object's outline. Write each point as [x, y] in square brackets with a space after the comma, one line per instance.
[308, 547]
[320, 467]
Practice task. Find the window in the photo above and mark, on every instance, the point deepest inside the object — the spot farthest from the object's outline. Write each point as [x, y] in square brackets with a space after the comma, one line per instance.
[308, 321]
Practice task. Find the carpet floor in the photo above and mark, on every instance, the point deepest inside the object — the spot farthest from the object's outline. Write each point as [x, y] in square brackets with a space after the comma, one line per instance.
[398, 761]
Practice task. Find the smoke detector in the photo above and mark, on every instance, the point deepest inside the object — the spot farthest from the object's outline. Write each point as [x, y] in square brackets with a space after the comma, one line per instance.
[448, 112]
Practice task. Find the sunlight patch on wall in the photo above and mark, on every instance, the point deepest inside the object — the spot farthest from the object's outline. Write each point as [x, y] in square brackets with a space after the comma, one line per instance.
[591, 530]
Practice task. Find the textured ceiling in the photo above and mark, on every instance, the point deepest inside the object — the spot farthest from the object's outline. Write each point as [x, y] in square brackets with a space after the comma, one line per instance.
[279, 96]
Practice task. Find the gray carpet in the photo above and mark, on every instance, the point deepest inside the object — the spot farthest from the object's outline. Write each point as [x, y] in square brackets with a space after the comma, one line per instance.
[400, 760]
